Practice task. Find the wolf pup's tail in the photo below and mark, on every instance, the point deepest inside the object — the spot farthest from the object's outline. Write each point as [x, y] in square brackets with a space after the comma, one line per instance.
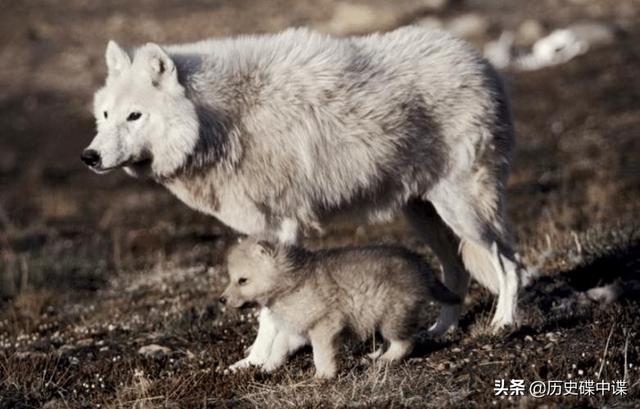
[442, 294]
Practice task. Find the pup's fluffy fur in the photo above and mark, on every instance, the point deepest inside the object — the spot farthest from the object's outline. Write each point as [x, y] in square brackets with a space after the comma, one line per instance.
[318, 294]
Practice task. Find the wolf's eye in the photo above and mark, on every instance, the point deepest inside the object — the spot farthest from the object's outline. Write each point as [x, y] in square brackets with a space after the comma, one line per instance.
[105, 114]
[242, 281]
[134, 116]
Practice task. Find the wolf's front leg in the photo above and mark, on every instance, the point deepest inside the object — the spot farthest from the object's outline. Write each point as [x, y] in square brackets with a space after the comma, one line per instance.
[286, 231]
[261, 348]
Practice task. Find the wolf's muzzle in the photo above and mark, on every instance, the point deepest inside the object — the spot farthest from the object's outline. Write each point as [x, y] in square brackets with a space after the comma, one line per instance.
[90, 157]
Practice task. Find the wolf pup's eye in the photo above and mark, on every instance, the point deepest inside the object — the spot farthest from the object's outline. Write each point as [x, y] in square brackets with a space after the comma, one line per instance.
[134, 116]
[105, 114]
[242, 281]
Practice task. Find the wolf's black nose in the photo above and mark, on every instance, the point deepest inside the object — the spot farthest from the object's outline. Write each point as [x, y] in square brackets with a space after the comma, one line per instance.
[223, 300]
[90, 157]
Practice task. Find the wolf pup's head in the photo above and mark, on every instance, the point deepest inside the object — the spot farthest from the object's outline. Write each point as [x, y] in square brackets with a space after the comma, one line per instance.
[145, 122]
[254, 274]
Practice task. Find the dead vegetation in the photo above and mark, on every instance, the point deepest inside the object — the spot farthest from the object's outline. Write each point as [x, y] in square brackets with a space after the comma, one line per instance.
[108, 284]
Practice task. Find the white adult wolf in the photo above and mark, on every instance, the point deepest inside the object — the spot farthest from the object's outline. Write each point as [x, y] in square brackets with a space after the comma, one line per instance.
[273, 134]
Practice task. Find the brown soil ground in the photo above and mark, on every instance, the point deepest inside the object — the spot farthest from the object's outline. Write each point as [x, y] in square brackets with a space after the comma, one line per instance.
[94, 267]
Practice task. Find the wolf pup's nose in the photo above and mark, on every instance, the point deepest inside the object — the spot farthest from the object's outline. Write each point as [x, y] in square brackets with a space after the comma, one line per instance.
[223, 300]
[90, 157]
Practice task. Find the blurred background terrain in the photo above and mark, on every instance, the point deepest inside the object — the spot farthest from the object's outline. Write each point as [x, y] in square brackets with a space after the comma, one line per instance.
[108, 283]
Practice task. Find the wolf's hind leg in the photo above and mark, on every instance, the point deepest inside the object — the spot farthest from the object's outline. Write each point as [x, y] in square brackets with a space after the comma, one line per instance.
[485, 250]
[444, 243]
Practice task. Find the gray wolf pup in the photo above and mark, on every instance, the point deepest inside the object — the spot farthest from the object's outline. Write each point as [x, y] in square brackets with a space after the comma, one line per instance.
[318, 294]
[275, 134]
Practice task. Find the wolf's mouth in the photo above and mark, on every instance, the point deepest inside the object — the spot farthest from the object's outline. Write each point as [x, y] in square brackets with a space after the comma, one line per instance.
[247, 304]
[139, 165]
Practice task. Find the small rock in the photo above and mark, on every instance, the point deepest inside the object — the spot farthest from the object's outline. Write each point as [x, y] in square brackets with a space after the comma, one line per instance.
[85, 342]
[528, 338]
[606, 294]
[153, 350]
[29, 355]
[66, 348]
[54, 404]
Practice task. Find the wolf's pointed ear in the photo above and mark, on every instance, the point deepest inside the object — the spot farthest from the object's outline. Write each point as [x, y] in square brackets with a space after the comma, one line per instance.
[266, 248]
[117, 59]
[159, 65]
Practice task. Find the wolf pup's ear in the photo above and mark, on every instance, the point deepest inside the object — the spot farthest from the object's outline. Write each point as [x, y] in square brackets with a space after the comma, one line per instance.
[159, 65]
[266, 248]
[117, 59]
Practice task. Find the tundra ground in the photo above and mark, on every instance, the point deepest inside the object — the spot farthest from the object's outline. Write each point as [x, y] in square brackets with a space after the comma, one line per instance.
[109, 284]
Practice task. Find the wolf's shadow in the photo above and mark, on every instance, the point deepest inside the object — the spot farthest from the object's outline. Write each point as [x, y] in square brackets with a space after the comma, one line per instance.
[565, 299]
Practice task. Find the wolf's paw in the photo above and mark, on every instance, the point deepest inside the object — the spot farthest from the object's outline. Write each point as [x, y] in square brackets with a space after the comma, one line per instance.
[271, 366]
[241, 364]
[501, 325]
[325, 374]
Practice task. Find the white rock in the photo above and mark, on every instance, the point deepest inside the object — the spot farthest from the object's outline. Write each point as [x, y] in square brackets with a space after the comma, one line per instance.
[153, 350]
[500, 51]
[606, 294]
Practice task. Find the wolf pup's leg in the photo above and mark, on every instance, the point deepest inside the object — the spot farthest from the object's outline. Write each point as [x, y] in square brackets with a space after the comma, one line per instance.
[398, 349]
[323, 337]
[261, 348]
[284, 344]
[279, 352]
[399, 328]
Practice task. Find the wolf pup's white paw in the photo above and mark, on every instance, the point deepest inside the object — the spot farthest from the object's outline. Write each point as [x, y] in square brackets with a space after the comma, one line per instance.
[375, 354]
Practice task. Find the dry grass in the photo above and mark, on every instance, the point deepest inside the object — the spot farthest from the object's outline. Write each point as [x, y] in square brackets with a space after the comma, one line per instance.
[94, 268]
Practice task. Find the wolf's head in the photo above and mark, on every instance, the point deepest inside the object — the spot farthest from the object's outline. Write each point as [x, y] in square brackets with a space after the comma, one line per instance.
[145, 122]
[255, 275]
